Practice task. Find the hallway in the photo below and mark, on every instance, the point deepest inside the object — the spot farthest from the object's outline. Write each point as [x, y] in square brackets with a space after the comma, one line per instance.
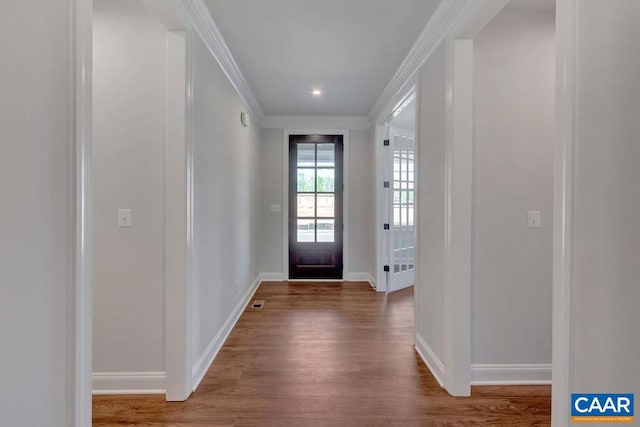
[335, 354]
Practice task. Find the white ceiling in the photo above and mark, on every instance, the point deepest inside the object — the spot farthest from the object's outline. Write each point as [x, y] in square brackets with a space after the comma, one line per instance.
[349, 49]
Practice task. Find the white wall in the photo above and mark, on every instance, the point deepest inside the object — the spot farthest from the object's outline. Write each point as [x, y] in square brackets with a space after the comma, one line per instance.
[36, 228]
[130, 72]
[226, 234]
[271, 170]
[607, 199]
[361, 232]
[360, 239]
[430, 221]
[514, 75]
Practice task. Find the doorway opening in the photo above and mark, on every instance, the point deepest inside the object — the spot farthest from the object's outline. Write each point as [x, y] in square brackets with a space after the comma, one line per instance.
[140, 196]
[316, 206]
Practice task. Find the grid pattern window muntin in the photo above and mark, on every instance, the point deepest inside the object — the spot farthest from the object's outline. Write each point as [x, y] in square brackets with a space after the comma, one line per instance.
[403, 195]
[318, 215]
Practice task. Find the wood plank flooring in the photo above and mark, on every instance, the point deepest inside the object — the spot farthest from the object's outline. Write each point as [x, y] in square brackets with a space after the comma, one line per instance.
[326, 354]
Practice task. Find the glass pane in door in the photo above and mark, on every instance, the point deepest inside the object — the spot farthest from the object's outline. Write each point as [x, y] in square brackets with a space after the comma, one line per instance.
[326, 180]
[306, 230]
[326, 230]
[326, 155]
[307, 155]
[326, 206]
[403, 150]
[306, 178]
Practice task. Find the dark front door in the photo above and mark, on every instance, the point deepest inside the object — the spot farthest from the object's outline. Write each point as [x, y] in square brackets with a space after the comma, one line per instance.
[315, 206]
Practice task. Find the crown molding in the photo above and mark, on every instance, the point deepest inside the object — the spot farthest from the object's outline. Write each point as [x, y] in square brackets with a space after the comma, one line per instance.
[449, 19]
[316, 122]
[195, 16]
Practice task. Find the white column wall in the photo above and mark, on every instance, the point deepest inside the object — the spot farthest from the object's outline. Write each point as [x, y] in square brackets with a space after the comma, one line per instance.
[36, 214]
[606, 290]
[429, 279]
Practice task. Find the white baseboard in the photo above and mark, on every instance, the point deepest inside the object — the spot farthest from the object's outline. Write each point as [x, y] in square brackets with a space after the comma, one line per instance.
[510, 374]
[128, 383]
[361, 277]
[271, 277]
[201, 367]
[430, 359]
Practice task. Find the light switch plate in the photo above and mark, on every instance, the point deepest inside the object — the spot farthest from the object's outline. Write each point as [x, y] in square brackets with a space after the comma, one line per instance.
[533, 219]
[125, 219]
[276, 208]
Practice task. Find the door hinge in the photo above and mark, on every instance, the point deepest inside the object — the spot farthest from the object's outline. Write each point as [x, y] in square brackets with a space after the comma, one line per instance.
[386, 268]
[386, 226]
[385, 142]
[386, 184]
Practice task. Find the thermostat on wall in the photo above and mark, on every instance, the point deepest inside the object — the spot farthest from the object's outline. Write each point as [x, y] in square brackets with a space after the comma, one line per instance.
[244, 119]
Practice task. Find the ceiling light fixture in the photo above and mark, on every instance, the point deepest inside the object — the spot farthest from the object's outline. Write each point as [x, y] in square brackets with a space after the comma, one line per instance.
[316, 92]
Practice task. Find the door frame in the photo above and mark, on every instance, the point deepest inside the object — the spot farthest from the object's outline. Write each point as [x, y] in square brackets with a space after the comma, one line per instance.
[80, 351]
[564, 155]
[171, 14]
[285, 200]
[410, 91]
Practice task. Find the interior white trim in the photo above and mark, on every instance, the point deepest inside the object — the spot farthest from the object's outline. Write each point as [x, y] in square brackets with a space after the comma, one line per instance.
[190, 176]
[403, 97]
[205, 360]
[285, 206]
[416, 202]
[563, 209]
[458, 217]
[176, 198]
[285, 194]
[316, 122]
[81, 316]
[271, 277]
[381, 209]
[449, 19]
[430, 359]
[510, 374]
[360, 277]
[128, 383]
[195, 15]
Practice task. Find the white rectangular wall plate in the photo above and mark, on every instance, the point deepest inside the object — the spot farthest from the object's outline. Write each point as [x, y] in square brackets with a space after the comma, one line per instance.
[533, 219]
[125, 219]
[244, 119]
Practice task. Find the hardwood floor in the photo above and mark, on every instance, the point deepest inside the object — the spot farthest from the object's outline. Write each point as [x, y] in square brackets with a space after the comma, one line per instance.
[326, 354]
